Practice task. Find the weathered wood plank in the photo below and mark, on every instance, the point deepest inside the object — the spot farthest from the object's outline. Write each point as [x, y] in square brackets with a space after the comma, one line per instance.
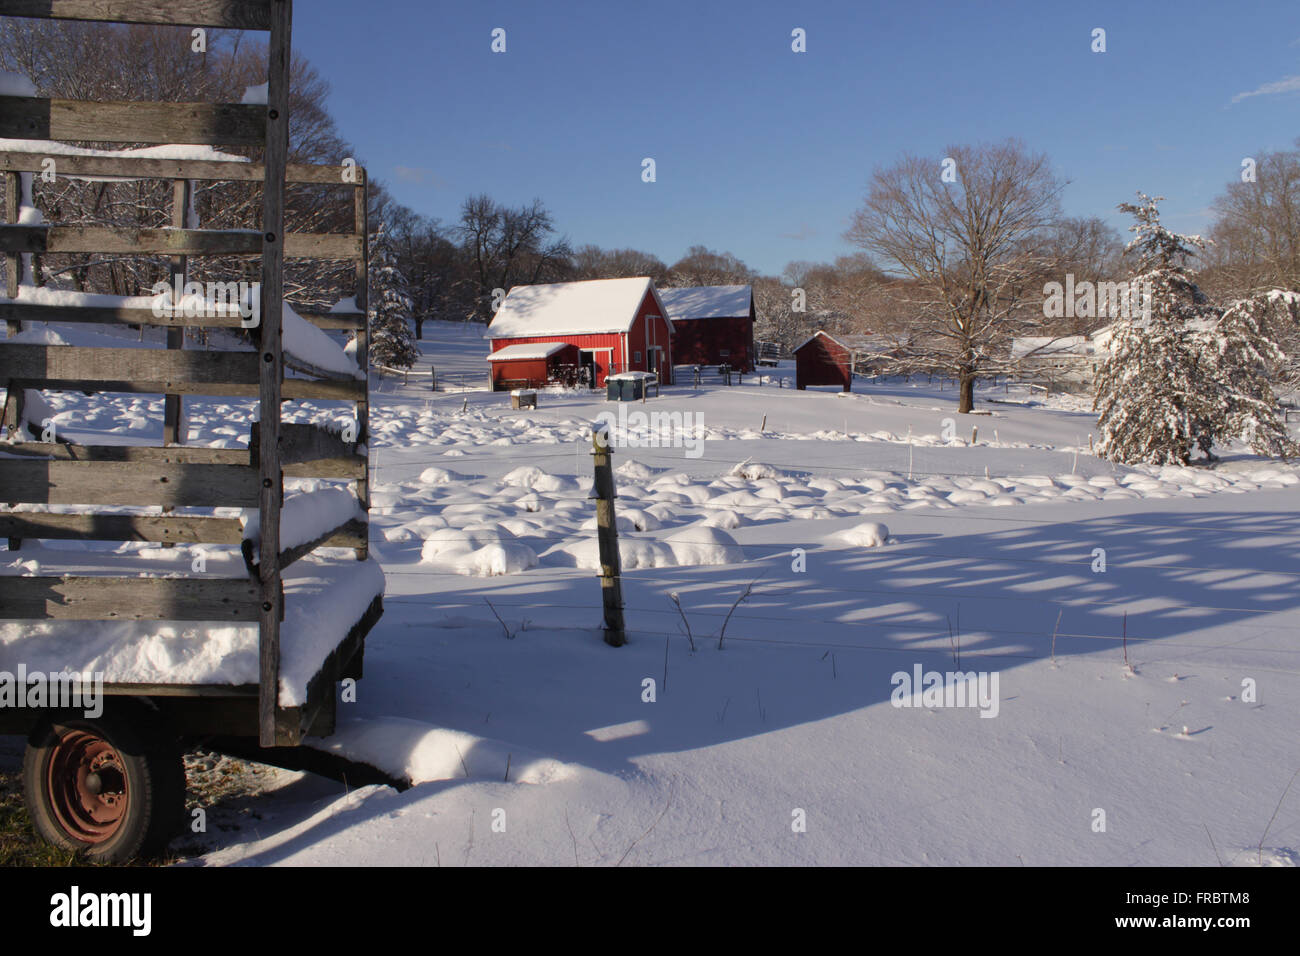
[325, 462]
[361, 291]
[127, 483]
[173, 432]
[109, 527]
[87, 598]
[177, 455]
[172, 242]
[205, 170]
[335, 320]
[113, 239]
[271, 476]
[217, 124]
[234, 14]
[119, 315]
[183, 529]
[12, 261]
[144, 370]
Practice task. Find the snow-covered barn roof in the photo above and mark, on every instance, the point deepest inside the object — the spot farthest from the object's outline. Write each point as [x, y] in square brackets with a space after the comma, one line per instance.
[571, 308]
[707, 301]
[527, 350]
[852, 343]
[1043, 346]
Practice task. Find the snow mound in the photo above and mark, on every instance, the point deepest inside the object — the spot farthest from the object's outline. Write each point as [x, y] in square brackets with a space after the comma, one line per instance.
[633, 553]
[869, 534]
[534, 479]
[421, 753]
[705, 544]
[724, 518]
[634, 470]
[752, 470]
[438, 476]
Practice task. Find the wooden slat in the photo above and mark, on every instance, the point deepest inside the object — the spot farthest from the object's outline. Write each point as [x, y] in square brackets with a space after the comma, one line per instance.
[271, 478]
[184, 529]
[353, 531]
[173, 433]
[134, 370]
[127, 483]
[216, 124]
[234, 14]
[119, 315]
[205, 170]
[107, 239]
[88, 598]
[349, 321]
[175, 455]
[325, 462]
[173, 242]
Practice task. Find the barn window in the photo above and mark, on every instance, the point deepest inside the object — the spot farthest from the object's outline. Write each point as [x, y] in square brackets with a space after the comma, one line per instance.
[636, 356]
[724, 352]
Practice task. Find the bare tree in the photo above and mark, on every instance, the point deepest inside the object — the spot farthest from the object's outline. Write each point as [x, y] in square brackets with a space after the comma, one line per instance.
[967, 245]
[593, 262]
[703, 266]
[507, 247]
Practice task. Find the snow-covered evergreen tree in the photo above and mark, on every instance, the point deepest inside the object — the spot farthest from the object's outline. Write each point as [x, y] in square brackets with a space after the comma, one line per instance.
[1183, 375]
[391, 341]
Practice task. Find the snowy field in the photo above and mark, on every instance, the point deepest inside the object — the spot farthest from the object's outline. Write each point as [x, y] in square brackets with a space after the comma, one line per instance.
[1134, 629]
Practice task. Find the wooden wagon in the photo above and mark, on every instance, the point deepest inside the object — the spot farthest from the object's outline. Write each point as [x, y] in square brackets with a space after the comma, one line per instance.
[113, 784]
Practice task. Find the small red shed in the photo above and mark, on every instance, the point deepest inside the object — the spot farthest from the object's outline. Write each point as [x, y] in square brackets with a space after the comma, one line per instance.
[531, 364]
[826, 359]
[712, 325]
[612, 325]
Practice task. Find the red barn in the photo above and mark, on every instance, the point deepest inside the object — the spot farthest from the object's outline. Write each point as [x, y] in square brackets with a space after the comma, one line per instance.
[613, 325]
[829, 360]
[531, 364]
[712, 325]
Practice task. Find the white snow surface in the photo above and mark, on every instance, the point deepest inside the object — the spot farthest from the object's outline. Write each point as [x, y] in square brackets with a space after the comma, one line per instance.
[1021, 554]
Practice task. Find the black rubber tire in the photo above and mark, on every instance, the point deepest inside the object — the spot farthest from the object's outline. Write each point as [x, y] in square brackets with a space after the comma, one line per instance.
[152, 781]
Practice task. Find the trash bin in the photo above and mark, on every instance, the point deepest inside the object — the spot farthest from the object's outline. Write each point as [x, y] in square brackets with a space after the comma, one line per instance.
[626, 386]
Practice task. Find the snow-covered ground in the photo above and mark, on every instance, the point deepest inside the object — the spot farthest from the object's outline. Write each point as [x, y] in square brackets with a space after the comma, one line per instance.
[1017, 556]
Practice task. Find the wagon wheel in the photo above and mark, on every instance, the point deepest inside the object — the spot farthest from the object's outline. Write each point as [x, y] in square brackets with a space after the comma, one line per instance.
[112, 787]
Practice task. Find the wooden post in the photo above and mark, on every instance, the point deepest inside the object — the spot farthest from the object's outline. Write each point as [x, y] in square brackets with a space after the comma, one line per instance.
[172, 433]
[611, 589]
[271, 365]
[13, 260]
[361, 291]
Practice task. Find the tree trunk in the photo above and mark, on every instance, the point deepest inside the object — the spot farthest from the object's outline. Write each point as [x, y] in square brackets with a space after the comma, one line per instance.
[419, 328]
[966, 402]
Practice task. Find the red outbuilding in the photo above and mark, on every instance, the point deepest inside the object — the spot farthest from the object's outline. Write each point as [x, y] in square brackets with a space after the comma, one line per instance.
[612, 325]
[532, 364]
[712, 325]
[825, 359]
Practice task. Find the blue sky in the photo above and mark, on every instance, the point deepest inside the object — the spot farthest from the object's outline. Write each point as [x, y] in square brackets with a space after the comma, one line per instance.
[764, 152]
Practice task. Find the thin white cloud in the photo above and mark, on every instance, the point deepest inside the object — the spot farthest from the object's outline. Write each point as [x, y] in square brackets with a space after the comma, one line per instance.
[417, 174]
[1288, 84]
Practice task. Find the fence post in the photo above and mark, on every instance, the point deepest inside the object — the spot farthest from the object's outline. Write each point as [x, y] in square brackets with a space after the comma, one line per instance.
[611, 588]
